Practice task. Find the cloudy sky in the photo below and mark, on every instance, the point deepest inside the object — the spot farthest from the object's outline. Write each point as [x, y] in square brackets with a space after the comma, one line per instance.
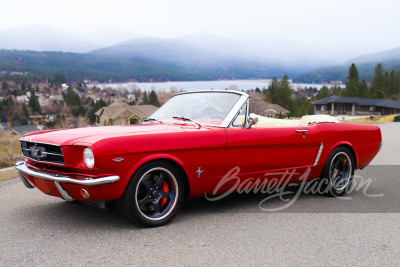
[370, 24]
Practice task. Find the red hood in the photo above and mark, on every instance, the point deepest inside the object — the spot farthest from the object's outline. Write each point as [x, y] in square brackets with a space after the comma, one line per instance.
[93, 134]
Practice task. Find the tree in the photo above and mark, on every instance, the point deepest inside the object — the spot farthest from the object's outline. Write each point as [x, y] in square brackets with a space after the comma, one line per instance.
[24, 121]
[153, 99]
[71, 98]
[34, 103]
[352, 82]
[23, 88]
[378, 82]
[304, 107]
[271, 92]
[82, 110]
[15, 119]
[3, 118]
[284, 92]
[392, 83]
[96, 105]
[145, 99]
[363, 89]
[337, 91]
[4, 86]
[323, 92]
[279, 92]
[75, 111]
[25, 111]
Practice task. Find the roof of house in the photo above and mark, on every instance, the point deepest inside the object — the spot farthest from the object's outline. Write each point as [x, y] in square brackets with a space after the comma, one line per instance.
[387, 103]
[123, 110]
[276, 108]
[22, 129]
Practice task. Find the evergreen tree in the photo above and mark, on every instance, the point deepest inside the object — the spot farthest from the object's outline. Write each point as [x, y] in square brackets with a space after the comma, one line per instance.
[271, 92]
[337, 91]
[323, 92]
[392, 84]
[285, 92]
[25, 111]
[34, 103]
[153, 99]
[279, 92]
[363, 89]
[24, 121]
[305, 107]
[75, 111]
[145, 99]
[3, 118]
[96, 105]
[4, 86]
[82, 110]
[71, 98]
[15, 119]
[378, 82]
[352, 83]
[23, 88]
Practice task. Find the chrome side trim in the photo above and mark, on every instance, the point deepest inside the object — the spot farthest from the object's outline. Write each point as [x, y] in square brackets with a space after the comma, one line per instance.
[63, 193]
[319, 154]
[20, 166]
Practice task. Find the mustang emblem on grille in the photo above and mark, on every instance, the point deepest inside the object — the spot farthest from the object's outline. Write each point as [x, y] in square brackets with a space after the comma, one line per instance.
[38, 152]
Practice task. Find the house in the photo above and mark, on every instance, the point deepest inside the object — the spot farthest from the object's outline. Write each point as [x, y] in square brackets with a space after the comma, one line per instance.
[334, 105]
[20, 130]
[274, 110]
[120, 113]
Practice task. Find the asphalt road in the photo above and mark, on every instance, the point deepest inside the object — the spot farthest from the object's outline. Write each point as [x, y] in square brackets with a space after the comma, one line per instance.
[363, 229]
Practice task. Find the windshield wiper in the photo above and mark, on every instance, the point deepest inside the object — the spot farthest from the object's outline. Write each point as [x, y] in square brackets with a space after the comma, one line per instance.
[150, 119]
[186, 119]
[182, 118]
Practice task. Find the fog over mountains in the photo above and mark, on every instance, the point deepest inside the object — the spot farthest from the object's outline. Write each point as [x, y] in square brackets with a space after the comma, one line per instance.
[246, 56]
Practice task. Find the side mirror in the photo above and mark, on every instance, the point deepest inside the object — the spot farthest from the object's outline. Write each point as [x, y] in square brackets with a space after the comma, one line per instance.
[253, 119]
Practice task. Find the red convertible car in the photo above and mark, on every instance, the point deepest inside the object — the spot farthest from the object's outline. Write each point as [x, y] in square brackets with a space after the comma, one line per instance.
[186, 149]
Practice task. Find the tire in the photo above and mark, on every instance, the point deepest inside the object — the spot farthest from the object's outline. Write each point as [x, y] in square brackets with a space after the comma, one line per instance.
[153, 195]
[338, 171]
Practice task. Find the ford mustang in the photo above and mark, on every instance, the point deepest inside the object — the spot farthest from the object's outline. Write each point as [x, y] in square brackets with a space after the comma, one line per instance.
[188, 148]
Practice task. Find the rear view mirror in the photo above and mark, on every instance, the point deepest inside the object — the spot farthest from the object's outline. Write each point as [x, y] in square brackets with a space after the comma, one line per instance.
[253, 119]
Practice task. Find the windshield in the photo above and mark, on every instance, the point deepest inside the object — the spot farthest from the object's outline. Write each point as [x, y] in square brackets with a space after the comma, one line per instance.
[202, 107]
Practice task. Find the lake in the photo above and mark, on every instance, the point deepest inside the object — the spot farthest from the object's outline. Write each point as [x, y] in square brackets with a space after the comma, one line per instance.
[204, 85]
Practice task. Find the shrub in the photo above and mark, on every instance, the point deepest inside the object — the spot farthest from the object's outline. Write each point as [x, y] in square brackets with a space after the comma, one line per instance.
[10, 149]
[397, 118]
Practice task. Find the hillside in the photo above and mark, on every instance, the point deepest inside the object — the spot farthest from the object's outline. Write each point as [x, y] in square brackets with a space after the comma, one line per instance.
[119, 64]
[101, 68]
[389, 59]
[196, 59]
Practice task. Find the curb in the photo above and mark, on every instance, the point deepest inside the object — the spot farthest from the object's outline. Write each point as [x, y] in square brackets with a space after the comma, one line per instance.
[8, 173]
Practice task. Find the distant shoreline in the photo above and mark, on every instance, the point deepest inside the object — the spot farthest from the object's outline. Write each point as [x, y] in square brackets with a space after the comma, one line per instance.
[240, 84]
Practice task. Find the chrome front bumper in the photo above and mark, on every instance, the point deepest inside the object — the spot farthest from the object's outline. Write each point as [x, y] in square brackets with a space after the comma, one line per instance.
[22, 168]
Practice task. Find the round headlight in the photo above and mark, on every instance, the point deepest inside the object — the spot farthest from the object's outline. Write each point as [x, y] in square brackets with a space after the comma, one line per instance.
[88, 157]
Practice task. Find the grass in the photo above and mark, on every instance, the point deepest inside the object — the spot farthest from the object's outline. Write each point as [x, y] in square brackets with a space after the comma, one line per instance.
[10, 149]
[376, 119]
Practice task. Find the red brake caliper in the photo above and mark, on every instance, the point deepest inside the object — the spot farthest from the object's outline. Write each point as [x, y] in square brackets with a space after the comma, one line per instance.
[165, 188]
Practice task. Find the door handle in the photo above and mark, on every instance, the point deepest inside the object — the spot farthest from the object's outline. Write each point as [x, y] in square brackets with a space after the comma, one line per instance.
[302, 131]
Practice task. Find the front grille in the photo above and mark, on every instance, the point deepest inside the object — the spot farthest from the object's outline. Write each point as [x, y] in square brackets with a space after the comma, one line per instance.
[42, 152]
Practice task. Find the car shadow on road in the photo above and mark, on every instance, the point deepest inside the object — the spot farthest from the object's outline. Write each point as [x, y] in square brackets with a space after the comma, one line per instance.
[291, 200]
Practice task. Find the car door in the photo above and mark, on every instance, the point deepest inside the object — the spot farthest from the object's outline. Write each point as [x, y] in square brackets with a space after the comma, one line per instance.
[270, 152]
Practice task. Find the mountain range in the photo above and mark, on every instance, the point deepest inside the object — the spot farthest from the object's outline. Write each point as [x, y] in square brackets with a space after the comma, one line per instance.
[103, 55]
[390, 60]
